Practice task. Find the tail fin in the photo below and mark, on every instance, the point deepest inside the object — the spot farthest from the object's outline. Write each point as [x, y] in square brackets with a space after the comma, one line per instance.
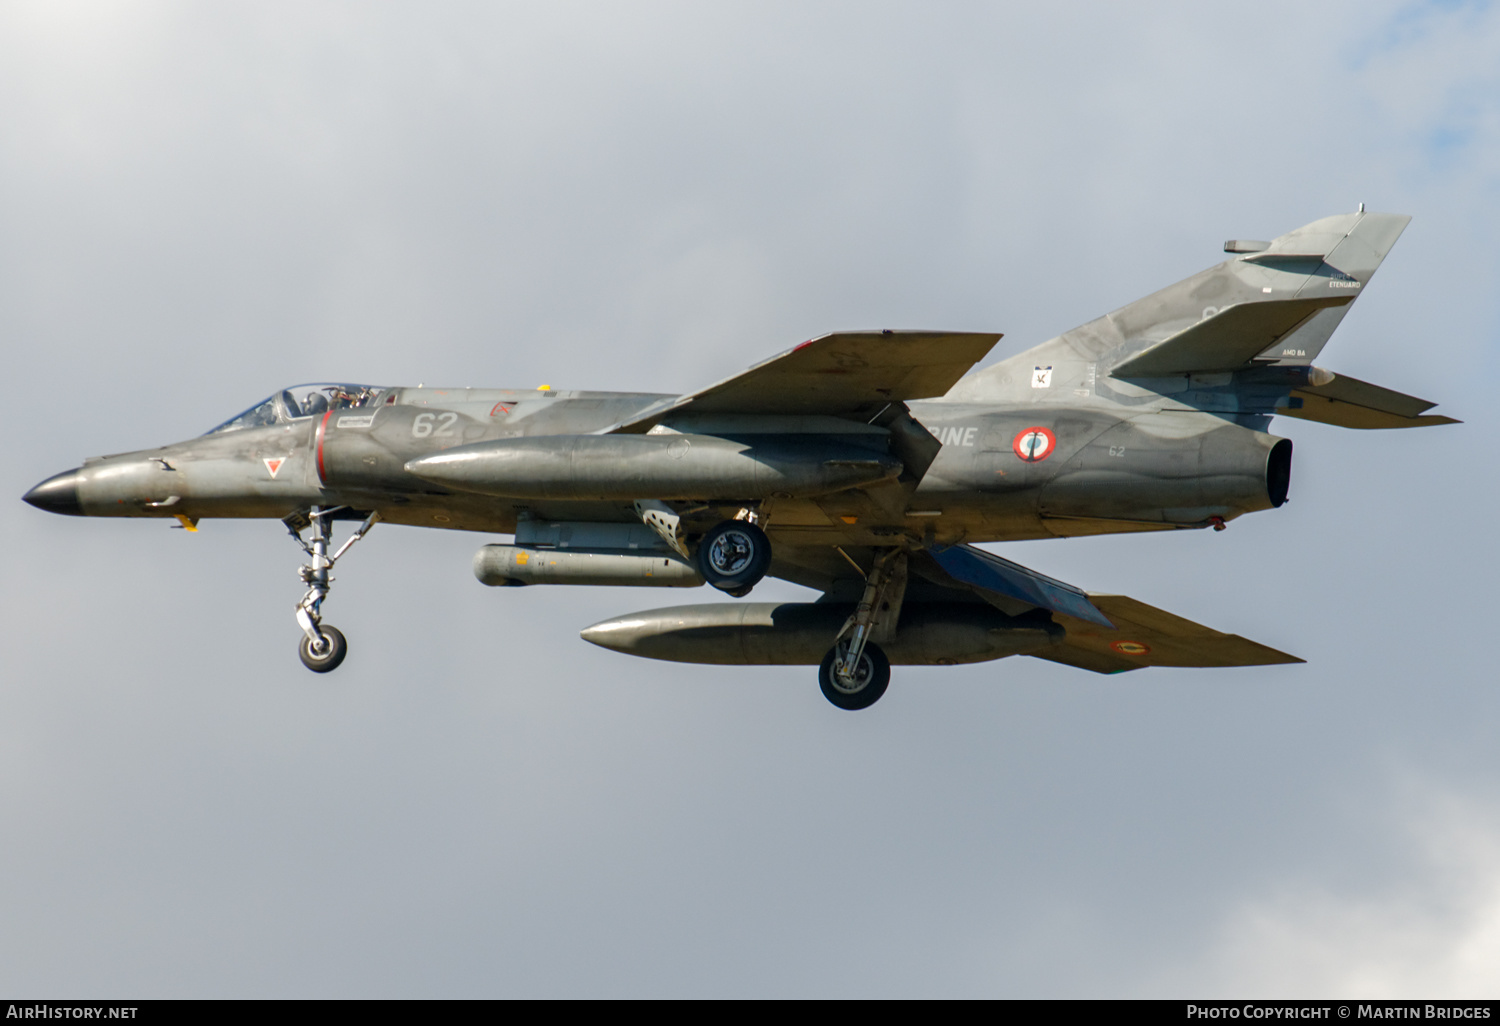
[1260, 317]
[1271, 302]
[1278, 304]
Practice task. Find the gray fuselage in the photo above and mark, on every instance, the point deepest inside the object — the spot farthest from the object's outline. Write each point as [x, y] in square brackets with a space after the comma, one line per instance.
[1003, 472]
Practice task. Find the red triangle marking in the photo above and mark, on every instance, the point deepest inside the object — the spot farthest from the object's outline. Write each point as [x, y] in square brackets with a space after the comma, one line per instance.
[274, 465]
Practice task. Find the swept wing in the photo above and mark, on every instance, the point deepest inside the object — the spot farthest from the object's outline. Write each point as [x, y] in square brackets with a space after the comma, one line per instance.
[1102, 633]
[844, 374]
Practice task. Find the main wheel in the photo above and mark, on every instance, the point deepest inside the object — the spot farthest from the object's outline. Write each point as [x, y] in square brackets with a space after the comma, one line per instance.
[321, 659]
[872, 675]
[734, 556]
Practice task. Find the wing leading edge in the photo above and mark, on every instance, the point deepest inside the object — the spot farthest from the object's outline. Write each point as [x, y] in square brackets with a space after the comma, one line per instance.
[845, 374]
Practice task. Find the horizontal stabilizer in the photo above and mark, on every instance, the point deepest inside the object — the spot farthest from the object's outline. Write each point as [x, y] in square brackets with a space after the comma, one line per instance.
[987, 571]
[1226, 341]
[847, 373]
[1349, 402]
[1147, 636]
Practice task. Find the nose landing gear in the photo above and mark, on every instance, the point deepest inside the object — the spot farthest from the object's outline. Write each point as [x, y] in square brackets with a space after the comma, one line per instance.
[322, 647]
[326, 652]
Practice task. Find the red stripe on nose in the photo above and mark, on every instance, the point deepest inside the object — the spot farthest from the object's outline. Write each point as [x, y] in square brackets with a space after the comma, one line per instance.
[322, 432]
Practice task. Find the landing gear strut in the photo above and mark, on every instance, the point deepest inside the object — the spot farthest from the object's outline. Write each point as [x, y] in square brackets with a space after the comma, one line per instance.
[323, 647]
[855, 672]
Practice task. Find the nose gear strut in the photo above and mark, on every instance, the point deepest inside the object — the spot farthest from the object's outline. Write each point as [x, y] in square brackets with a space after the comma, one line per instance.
[323, 647]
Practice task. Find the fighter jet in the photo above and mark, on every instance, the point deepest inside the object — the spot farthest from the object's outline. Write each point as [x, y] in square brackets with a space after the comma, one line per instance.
[864, 465]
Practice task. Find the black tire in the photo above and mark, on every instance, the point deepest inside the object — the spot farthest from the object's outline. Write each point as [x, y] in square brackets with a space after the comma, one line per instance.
[873, 673]
[329, 659]
[734, 555]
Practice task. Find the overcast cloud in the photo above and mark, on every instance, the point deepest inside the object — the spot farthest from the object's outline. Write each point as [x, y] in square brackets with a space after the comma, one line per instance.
[202, 203]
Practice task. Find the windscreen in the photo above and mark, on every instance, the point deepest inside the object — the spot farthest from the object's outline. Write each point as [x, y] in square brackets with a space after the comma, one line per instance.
[301, 401]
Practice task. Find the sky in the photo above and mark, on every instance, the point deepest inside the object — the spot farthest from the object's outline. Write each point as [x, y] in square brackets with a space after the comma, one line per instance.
[200, 204]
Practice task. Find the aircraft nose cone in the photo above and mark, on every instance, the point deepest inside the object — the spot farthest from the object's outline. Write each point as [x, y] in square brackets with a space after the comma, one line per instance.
[57, 494]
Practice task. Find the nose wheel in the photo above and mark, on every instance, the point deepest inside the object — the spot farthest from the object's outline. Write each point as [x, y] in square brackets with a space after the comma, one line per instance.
[322, 648]
[326, 652]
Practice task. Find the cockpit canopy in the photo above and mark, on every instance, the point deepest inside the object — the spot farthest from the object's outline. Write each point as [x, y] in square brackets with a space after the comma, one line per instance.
[301, 401]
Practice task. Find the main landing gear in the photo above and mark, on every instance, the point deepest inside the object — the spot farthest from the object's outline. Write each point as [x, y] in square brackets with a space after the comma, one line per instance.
[855, 683]
[733, 555]
[855, 672]
[323, 647]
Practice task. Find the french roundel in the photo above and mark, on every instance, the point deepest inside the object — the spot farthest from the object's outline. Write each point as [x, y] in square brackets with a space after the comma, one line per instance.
[1034, 444]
